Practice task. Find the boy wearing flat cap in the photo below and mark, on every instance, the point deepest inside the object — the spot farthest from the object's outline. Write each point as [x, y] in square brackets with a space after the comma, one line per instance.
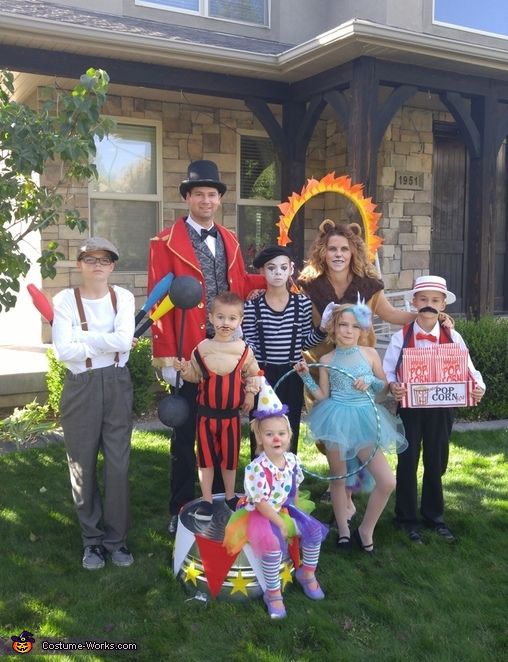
[429, 428]
[194, 246]
[93, 328]
[278, 326]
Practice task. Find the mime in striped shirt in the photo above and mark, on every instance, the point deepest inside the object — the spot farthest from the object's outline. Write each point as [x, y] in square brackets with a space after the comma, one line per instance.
[278, 326]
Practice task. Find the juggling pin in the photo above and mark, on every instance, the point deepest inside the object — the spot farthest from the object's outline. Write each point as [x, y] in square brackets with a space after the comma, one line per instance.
[41, 302]
[165, 306]
[159, 290]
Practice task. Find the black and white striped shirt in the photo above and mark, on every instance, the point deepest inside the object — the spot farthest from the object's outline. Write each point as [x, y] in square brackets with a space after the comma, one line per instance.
[279, 328]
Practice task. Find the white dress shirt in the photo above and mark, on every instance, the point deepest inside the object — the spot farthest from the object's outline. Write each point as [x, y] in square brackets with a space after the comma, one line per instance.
[395, 347]
[107, 333]
[210, 241]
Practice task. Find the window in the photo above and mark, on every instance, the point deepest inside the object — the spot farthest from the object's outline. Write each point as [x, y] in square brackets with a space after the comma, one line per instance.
[245, 11]
[240, 11]
[259, 187]
[125, 201]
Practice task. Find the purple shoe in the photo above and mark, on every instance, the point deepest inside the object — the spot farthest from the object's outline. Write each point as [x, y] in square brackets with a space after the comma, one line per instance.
[313, 594]
[274, 612]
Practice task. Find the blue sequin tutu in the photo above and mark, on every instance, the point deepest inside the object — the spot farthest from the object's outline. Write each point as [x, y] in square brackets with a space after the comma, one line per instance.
[347, 420]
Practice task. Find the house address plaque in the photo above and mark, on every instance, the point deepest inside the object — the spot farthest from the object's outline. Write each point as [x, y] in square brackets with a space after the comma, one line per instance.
[409, 180]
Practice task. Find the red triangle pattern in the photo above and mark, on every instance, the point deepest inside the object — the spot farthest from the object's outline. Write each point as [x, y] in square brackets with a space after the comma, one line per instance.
[294, 551]
[216, 562]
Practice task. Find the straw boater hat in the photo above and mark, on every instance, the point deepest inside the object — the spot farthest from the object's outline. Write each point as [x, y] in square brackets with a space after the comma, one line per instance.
[202, 173]
[431, 284]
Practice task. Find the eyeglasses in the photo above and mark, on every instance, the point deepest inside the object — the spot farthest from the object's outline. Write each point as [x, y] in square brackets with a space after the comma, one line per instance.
[104, 261]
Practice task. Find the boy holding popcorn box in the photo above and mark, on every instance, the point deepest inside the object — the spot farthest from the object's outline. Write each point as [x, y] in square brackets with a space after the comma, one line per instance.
[429, 372]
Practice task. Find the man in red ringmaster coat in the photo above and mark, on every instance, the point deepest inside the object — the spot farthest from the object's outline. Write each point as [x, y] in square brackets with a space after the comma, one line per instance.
[193, 246]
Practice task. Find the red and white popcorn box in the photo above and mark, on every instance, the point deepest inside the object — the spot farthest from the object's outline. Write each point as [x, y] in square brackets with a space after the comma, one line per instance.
[417, 365]
[436, 377]
[451, 363]
[438, 394]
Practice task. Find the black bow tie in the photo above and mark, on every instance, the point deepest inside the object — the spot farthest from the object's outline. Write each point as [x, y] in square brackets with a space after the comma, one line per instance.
[212, 232]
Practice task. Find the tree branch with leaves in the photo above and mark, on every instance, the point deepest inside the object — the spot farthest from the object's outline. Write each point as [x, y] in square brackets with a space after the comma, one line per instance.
[61, 133]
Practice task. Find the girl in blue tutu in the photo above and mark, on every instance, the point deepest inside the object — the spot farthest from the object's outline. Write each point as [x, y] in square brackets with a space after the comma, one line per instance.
[345, 421]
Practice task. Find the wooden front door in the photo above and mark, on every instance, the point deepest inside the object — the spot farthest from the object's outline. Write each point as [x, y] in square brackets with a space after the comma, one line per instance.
[449, 211]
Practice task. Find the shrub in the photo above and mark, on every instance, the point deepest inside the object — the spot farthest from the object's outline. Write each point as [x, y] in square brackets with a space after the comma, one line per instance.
[54, 382]
[26, 424]
[487, 340]
[144, 380]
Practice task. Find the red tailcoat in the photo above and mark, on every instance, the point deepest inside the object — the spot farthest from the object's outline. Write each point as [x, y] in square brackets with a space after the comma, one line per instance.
[172, 251]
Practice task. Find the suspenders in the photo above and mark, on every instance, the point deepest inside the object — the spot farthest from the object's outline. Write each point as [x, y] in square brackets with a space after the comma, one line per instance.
[261, 335]
[84, 324]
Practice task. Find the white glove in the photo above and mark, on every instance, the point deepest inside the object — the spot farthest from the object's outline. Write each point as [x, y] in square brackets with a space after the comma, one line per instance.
[327, 315]
[169, 375]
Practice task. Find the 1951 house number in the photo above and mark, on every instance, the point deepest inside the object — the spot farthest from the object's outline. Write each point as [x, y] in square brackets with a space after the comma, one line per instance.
[409, 180]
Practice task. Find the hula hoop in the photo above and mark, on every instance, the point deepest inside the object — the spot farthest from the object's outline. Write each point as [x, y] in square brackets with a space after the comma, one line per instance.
[378, 423]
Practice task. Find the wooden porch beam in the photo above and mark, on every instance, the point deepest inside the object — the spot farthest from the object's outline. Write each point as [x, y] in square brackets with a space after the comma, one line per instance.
[389, 107]
[461, 111]
[339, 103]
[479, 290]
[142, 74]
[435, 80]
[362, 152]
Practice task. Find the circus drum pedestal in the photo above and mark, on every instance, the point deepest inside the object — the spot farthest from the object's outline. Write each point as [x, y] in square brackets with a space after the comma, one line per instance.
[205, 568]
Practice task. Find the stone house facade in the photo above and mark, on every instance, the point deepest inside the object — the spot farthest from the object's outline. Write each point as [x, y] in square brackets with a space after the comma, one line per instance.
[378, 97]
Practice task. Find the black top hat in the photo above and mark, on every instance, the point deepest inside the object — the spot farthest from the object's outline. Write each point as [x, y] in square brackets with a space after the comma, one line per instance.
[202, 173]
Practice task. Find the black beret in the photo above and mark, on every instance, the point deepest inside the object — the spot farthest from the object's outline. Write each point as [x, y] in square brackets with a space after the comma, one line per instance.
[269, 253]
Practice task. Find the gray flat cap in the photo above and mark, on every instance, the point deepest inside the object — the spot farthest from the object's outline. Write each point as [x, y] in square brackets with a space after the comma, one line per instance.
[98, 244]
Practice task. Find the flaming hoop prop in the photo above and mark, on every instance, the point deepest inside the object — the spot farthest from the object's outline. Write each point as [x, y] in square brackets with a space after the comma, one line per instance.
[331, 184]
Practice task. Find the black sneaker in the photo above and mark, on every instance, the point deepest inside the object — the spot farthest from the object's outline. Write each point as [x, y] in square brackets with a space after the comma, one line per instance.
[232, 503]
[173, 525]
[442, 530]
[414, 536]
[93, 557]
[411, 530]
[204, 511]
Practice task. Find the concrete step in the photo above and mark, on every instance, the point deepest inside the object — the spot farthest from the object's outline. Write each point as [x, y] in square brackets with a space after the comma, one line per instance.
[23, 371]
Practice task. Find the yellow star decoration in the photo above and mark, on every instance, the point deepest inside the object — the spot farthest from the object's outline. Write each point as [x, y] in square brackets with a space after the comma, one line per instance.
[342, 186]
[192, 573]
[285, 576]
[239, 584]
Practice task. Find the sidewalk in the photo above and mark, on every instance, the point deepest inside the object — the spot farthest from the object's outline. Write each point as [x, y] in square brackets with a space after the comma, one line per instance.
[22, 374]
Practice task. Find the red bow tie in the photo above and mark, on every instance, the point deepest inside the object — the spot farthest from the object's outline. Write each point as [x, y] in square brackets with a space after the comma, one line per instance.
[426, 336]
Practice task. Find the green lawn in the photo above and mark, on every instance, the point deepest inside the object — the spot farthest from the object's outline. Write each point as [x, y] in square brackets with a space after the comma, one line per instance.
[430, 602]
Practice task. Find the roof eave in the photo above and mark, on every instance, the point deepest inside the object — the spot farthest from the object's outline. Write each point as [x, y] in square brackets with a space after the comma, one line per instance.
[337, 46]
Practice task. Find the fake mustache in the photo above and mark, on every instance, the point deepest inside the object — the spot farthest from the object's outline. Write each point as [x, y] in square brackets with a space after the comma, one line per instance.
[429, 309]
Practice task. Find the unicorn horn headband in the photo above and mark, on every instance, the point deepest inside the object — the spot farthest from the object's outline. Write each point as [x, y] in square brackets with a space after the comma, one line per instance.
[362, 313]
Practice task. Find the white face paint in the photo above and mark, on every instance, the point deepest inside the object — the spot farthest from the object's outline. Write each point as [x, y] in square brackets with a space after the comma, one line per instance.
[277, 271]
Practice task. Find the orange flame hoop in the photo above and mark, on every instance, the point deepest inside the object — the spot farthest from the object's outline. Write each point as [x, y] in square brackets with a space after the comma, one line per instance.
[343, 186]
